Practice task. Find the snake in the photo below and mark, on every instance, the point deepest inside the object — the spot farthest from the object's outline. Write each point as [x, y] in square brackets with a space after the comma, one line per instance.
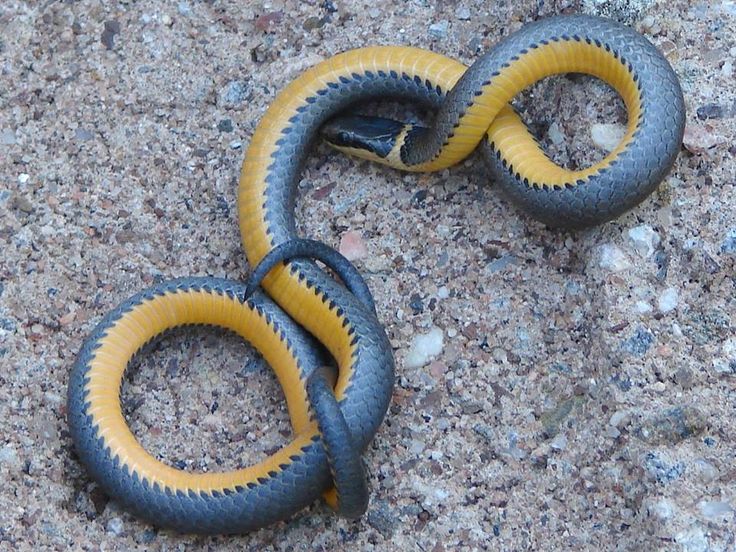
[320, 333]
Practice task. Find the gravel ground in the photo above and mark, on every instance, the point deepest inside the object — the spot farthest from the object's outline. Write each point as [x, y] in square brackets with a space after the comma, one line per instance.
[555, 390]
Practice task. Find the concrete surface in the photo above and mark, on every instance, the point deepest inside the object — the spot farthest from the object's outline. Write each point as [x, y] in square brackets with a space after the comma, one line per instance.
[585, 387]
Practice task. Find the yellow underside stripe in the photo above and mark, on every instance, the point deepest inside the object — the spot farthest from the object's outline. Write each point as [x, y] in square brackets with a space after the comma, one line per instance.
[294, 296]
[149, 319]
[489, 115]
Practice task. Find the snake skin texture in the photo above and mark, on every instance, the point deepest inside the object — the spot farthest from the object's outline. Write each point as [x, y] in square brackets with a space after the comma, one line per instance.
[639, 169]
[346, 464]
[240, 510]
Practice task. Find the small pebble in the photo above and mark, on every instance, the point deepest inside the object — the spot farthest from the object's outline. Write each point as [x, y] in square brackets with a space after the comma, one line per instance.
[727, 69]
[649, 25]
[728, 348]
[612, 432]
[111, 29]
[352, 246]
[728, 245]
[234, 93]
[708, 472]
[559, 442]
[607, 135]
[671, 426]
[83, 134]
[714, 509]
[662, 509]
[23, 178]
[501, 263]
[668, 300]
[115, 526]
[312, 23]
[166, 20]
[724, 366]
[710, 111]
[700, 137]
[693, 539]
[644, 240]
[225, 125]
[499, 355]
[146, 537]
[9, 457]
[24, 204]
[439, 29]
[424, 348]
[235, 144]
[555, 134]
[612, 258]
[662, 468]
[7, 137]
[639, 343]
[382, 518]
[463, 13]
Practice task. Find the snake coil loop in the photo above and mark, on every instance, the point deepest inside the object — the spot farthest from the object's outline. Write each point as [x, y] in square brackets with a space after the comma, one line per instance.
[304, 311]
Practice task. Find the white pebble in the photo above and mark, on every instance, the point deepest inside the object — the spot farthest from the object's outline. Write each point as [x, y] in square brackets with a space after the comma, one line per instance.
[662, 509]
[729, 348]
[722, 366]
[727, 69]
[23, 178]
[424, 348]
[439, 29]
[612, 258]
[693, 539]
[463, 13]
[644, 240]
[9, 457]
[708, 472]
[7, 137]
[618, 418]
[607, 135]
[642, 307]
[714, 509]
[115, 526]
[443, 293]
[559, 442]
[667, 302]
[555, 134]
[416, 447]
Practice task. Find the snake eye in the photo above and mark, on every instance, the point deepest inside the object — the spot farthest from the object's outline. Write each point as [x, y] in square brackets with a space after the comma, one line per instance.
[343, 136]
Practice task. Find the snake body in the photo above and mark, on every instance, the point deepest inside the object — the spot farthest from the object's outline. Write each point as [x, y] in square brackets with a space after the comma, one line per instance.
[304, 306]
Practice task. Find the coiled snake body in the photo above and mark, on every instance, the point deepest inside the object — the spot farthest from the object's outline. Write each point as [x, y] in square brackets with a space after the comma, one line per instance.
[302, 305]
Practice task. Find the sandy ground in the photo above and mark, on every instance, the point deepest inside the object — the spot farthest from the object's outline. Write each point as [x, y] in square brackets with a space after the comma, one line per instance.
[584, 396]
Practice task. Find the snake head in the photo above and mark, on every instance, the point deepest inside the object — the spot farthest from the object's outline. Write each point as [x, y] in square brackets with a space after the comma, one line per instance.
[373, 138]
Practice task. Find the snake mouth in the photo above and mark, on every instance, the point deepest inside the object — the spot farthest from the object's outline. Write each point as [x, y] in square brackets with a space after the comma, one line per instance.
[374, 135]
